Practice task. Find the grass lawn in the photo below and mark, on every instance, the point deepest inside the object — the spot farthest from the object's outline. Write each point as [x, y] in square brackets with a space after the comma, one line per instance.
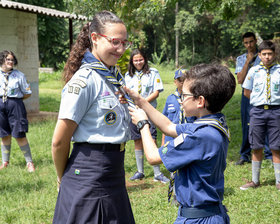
[30, 198]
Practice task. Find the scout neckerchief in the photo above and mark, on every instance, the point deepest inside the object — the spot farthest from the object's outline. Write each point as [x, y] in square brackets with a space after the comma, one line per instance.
[178, 98]
[112, 75]
[5, 89]
[139, 76]
[268, 80]
[181, 121]
[212, 122]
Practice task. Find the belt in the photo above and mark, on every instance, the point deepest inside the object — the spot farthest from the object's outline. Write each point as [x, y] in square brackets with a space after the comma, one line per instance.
[205, 211]
[103, 146]
[267, 107]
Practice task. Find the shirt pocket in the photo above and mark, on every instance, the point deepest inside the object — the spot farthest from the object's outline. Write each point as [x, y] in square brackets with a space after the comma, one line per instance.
[171, 112]
[13, 87]
[258, 85]
[275, 86]
[107, 103]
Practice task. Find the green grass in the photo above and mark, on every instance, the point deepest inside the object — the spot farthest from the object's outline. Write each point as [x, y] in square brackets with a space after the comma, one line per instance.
[30, 198]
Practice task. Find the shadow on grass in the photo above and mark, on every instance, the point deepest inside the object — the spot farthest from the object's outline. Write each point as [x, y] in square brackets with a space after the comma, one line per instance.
[229, 191]
[134, 187]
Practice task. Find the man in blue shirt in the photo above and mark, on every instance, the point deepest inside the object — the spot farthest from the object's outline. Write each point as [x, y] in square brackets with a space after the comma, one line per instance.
[243, 63]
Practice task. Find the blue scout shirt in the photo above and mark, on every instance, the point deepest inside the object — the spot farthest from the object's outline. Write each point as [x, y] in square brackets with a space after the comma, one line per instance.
[17, 84]
[199, 156]
[89, 99]
[256, 81]
[240, 62]
[150, 82]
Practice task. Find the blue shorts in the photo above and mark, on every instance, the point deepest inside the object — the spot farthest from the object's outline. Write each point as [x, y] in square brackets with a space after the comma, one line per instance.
[264, 122]
[13, 118]
[135, 134]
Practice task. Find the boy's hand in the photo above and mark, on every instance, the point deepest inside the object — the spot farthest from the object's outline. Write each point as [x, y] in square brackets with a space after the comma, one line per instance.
[137, 115]
[133, 95]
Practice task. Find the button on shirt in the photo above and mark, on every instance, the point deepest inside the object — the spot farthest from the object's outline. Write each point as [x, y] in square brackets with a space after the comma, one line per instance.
[199, 156]
[150, 82]
[240, 62]
[256, 82]
[17, 84]
[89, 99]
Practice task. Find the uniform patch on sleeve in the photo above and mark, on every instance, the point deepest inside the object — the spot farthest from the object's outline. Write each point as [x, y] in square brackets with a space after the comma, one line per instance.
[158, 80]
[164, 150]
[76, 85]
[79, 82]
[179, 140]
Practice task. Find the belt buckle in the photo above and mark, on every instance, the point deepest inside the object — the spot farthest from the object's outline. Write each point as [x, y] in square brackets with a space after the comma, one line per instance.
[122, 147]
[265, 107]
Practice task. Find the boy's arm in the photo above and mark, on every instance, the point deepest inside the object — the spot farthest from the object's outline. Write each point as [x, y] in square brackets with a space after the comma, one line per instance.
[242, 74]
[247, 93]
[161, 121]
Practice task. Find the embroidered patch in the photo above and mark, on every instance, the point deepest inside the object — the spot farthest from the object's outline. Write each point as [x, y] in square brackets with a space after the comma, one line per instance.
[77, 90]
[158, 80]
[70, 89]
[105, 93]
[179, 140]
[110, 118]
[164, 150]
[79, 82]
[77, 172]
[166, 144]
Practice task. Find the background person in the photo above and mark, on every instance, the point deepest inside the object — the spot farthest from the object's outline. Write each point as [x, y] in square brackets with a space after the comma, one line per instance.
[262, 87]
[147, 82]
[243, 63]
[13, 118]
[92, 180]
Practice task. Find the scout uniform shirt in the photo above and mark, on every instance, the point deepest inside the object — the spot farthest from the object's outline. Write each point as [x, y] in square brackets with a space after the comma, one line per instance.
[150, 82]
[89, 99]
[256, 81]
[17, 84]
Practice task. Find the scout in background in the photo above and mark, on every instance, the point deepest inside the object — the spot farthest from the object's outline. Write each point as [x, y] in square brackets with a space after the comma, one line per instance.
[261, 86]
[147, 82]
[13, 118]
[199, 149]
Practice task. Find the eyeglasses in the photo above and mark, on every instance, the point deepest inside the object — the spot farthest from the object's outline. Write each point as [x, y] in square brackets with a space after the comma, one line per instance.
[138, 61]
[9, 59]
[117, 42]
[184, 95]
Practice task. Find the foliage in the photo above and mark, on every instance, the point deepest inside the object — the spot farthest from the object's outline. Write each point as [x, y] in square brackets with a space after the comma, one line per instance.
[52, 34]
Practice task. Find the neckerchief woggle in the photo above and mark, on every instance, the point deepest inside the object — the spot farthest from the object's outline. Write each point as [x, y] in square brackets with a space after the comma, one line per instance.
[112, 75]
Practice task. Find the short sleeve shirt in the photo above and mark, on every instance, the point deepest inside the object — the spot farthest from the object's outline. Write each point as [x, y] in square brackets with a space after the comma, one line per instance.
[17, 84]
[89, 100]
[240, 62]
[199, 156]
[150, 82]
[256, 82]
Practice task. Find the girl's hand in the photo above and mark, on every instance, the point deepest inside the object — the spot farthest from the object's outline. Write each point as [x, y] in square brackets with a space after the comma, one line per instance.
[136, 97]
[137, 115]
[122, 99]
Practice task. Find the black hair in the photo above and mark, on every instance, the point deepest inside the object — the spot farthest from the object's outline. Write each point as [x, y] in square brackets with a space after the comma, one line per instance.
[267, 45]
[131, 67]
[249, 34]
[4, 54]
[83, 41]
[214, 82]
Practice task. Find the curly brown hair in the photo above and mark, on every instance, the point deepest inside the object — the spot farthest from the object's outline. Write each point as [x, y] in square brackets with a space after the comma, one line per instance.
[83, 41]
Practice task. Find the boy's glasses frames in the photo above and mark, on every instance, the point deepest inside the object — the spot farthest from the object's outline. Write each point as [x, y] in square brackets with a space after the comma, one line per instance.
[116, 42]
[185, 95]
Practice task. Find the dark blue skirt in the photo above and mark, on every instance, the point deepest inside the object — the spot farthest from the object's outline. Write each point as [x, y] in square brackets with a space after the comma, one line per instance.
[93, 188]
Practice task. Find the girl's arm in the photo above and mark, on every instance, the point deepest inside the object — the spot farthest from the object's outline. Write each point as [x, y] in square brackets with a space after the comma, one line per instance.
[61, 144]
[153, 96]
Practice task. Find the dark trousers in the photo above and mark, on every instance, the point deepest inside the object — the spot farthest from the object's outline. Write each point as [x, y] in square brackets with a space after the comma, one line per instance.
[245, 150]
